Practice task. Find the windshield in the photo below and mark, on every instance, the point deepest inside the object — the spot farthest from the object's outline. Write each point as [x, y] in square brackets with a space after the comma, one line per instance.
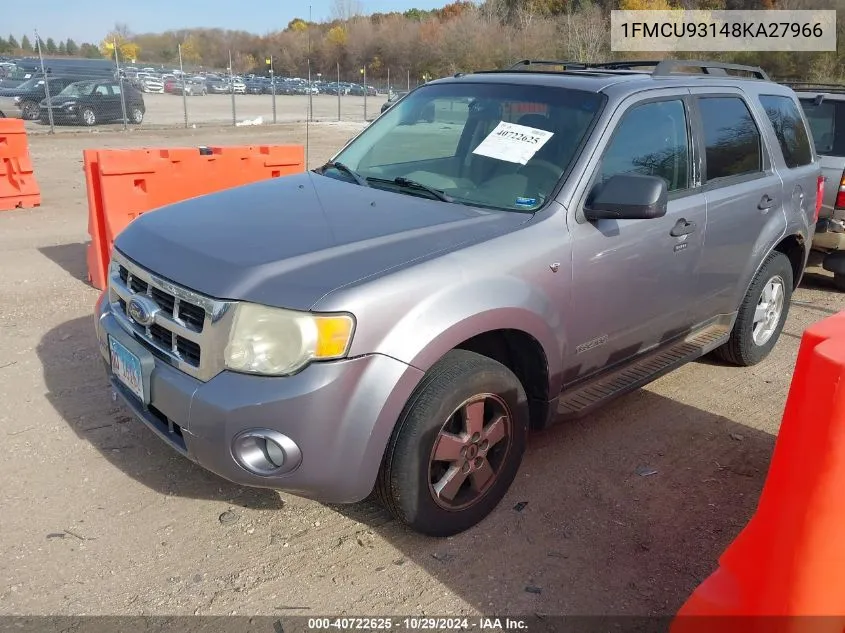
[492, 145]
[79, 89]
[30, 84]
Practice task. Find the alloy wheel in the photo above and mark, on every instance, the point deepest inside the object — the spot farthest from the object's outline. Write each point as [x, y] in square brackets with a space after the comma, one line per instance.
[768, 312]
[470, 451]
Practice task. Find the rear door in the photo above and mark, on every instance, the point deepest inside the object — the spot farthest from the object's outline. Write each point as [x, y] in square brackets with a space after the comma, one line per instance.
[798, 168]
[744, 196]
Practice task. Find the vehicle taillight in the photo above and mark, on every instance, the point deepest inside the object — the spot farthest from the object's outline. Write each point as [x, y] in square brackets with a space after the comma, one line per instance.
[820, 196]
[840, 195]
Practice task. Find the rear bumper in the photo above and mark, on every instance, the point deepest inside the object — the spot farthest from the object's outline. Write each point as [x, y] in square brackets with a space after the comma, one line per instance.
[339, 414]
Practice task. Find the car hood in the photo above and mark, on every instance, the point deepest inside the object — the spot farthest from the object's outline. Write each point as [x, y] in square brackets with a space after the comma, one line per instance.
[288, 242]
[14, 92]
[60, 99]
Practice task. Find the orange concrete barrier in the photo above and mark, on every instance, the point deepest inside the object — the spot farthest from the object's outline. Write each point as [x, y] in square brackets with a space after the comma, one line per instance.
[124, 183]
[18, 187]
[785, 572]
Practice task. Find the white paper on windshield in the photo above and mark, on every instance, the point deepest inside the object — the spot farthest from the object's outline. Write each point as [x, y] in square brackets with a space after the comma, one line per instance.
[513, 143]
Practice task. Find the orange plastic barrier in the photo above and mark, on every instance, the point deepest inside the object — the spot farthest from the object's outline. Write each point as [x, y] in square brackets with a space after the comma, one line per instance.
[18, 187]
[785, 572]
[124, 183]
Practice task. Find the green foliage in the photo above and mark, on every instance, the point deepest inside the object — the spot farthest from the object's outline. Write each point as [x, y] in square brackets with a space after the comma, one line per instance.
[26, 44]
[71, 48]
[13, 43]
[50, 47]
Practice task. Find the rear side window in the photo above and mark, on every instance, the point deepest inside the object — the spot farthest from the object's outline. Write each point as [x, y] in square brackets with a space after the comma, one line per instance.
[827, 125]
[789, 129]
[731, 138]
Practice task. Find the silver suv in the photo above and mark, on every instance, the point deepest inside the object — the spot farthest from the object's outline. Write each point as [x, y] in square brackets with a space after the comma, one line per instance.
[497, 252]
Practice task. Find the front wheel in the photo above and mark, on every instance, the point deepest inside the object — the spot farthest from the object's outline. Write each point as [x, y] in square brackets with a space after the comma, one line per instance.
[457, 446]
[762, 314]
[839, 281]
[88, 117]
[137, 116]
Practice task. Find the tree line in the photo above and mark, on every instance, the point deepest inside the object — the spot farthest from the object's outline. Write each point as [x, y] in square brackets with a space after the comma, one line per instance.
[68, 47]
[461, 36]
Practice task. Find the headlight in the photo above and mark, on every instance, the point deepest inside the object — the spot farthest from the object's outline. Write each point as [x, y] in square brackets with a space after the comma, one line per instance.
[277, 342]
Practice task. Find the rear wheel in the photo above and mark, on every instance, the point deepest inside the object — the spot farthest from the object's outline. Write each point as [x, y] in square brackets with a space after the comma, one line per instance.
[30, 110]
[761, 315]
[457, 446]
[839, 281]
[137, 116]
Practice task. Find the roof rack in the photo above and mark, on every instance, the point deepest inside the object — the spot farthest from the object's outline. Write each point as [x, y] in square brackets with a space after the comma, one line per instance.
[623, 65]
[667, 66]
[549, 62]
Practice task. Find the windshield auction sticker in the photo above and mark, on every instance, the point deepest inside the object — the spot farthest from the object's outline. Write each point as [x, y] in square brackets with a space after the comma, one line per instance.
[513, 143]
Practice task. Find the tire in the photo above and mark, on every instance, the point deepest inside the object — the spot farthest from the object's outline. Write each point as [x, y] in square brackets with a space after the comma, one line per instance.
[745, 348]
[410, 475]
[87, 117]
[30, 110]
[137, 116]
[839, 281]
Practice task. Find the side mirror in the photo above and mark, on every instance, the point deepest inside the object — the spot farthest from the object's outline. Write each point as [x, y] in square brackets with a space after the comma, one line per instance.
[627, 197]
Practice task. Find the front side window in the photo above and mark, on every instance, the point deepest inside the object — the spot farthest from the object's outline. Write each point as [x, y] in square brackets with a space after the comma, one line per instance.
[789, 129]
[651, 139]
[731, 138]
[492, 145]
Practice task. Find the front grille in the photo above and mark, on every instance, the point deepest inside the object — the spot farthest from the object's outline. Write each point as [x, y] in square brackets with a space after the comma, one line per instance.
[177, 332]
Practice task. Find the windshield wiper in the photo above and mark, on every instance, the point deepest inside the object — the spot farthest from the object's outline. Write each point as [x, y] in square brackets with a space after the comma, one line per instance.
[346, 170]
[406, 183]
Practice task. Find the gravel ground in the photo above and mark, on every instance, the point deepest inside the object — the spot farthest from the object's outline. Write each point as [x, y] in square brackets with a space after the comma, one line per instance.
[100, 517]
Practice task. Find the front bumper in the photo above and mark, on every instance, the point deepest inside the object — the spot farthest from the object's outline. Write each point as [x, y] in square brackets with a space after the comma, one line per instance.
[339, 414]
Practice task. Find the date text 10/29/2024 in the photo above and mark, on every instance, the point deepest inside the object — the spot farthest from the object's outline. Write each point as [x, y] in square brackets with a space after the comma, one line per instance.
[416, 624]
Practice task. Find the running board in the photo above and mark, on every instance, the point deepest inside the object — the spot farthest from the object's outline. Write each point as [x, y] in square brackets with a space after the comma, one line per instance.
[584, 398]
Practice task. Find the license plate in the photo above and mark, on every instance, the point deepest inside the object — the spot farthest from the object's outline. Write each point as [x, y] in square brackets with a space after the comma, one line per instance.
[127, 367]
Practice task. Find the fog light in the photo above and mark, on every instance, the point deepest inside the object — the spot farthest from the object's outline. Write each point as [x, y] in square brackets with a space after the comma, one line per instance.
[265, 452]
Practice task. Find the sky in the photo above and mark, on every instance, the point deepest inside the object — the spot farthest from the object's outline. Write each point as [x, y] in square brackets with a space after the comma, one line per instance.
[90, 20]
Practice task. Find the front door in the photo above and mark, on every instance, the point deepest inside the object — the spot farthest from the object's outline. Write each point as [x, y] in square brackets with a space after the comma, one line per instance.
[633, 279]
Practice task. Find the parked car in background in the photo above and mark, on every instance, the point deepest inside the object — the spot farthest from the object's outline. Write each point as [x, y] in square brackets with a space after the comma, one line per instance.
[824, 107]
[255, 85]
[193, 86]
[151, 84]
[91, 102]
[391, 99]
[170, 85]
[23, 101]
[219, 86]
[238, 86]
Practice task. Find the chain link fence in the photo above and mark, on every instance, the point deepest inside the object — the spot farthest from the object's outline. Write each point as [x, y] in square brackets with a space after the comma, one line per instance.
[63, 93]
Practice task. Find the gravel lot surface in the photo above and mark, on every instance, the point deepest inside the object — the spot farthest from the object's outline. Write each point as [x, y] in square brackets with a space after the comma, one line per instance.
[100, 517]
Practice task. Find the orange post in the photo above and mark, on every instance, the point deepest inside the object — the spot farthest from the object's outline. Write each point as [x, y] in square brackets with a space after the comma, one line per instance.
[18, 187]
[123, 184]
[785, 572]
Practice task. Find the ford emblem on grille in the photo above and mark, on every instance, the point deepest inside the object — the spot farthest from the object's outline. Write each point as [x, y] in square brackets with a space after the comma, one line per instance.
[142, 310]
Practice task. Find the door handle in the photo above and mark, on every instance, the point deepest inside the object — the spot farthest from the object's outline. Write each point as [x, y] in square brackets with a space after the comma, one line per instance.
[682, 227]
[766, 202]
